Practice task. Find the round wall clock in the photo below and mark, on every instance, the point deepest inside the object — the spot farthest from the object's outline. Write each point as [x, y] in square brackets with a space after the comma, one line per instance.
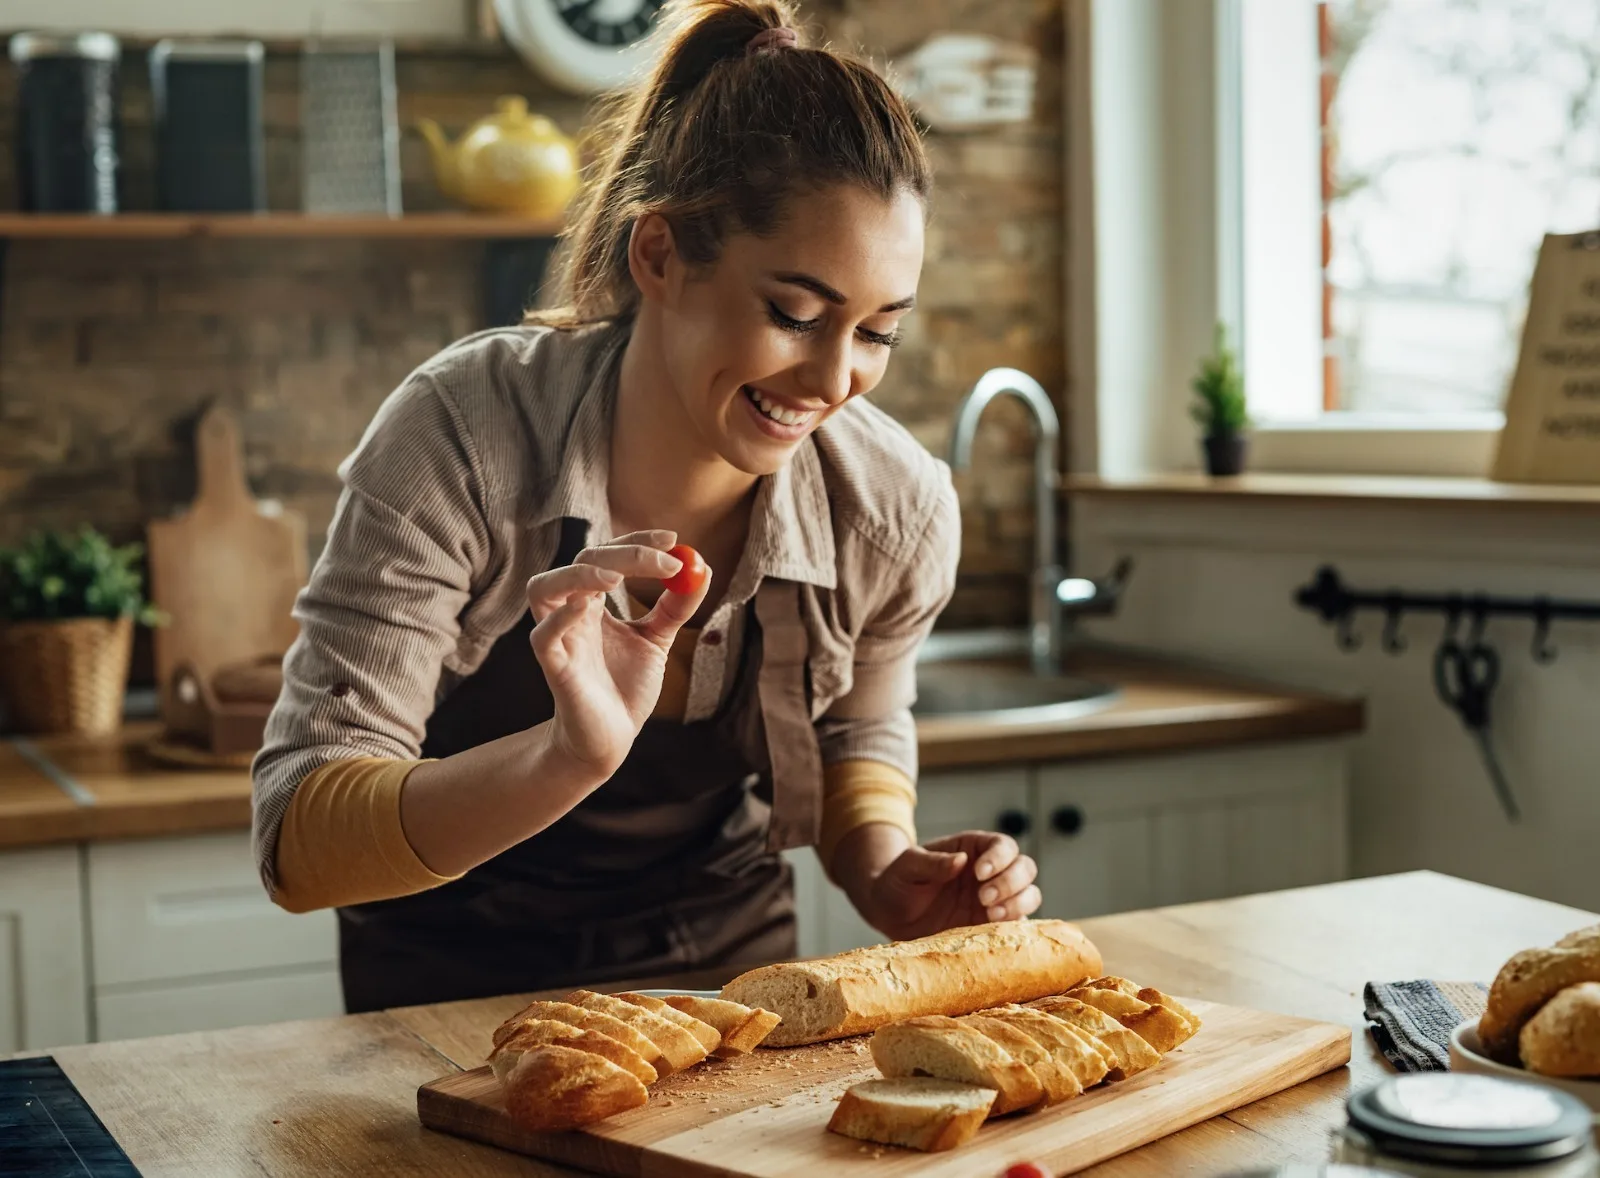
[580, 45]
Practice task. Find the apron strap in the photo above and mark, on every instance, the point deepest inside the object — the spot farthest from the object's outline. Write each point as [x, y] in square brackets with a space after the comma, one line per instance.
[792, 746]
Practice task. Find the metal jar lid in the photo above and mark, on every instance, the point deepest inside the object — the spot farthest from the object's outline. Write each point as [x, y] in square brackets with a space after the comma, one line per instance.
[1314, 1170]
[174, 50]
[1470, 1120]
[88, 46]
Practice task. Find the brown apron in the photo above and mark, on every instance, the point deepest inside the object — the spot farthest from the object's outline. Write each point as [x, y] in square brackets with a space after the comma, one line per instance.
[670, 865]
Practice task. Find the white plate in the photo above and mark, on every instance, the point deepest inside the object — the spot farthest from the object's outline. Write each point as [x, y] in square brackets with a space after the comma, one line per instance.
[676, 993]
[1466, 1055]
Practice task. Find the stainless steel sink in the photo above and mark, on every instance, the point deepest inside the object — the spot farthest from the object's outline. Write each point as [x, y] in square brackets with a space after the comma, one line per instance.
[986, 676]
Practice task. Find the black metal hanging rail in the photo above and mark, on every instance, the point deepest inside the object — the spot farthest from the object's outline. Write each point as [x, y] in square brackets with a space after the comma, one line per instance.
[1328, 596]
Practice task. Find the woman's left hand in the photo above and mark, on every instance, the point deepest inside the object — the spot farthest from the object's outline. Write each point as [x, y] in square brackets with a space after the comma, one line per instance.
[963, 879]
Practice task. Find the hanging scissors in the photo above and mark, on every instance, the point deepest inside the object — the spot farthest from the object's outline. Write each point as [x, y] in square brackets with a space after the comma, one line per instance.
[1465, 678]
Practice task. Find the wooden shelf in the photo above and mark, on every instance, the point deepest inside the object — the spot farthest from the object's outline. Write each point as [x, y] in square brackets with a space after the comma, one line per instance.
[62, 226]
[1326, 489]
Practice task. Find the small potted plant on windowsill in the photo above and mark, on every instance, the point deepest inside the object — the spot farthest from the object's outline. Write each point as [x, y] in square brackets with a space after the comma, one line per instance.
[1220, 409]
[68, 605]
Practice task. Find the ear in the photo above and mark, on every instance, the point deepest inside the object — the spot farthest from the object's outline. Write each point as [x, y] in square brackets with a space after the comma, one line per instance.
[653, 259]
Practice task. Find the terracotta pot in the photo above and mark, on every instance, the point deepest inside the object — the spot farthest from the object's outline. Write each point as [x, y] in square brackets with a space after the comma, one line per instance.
[1225, 454]
[68, 675]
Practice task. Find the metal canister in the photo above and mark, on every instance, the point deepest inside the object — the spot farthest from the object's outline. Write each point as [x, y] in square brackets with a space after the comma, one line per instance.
[1438, 1125]
[67, 121]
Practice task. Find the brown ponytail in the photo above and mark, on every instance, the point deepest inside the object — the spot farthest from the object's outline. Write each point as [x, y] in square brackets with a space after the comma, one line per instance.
[715, 140]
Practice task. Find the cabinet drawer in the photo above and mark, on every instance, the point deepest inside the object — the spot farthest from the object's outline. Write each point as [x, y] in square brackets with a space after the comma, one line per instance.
[215, 1005]
[178, 908]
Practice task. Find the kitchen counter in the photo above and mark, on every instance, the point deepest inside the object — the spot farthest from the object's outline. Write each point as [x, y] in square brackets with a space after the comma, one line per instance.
[63, 789]
[338, 1096]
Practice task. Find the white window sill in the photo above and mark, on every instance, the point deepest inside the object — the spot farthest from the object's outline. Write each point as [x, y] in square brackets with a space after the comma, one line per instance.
[1326, 489]
[1447, 446]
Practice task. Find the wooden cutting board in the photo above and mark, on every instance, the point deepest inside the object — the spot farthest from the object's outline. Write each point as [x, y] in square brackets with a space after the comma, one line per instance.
[227, 568]
[765, 1115]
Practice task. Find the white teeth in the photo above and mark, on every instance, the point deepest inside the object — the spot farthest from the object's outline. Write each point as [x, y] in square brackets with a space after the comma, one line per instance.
[775, 412]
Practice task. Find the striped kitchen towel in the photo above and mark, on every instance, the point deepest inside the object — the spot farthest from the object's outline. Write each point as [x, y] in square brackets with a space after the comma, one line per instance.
[1411, 1021]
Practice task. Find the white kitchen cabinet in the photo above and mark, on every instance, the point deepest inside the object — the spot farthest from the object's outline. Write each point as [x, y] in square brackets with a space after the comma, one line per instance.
[184, 938]
[1118, 834]
[43, 989]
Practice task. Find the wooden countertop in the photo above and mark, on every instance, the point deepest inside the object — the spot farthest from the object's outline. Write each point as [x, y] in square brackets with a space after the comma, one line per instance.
[62, 789]
[338, 1096]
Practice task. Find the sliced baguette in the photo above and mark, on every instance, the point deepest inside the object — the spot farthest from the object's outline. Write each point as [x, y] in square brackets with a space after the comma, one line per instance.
[950, 973]
[938, 1046]
[1088, 1062]
[584, 1020]
[1132, 1054]
[536, 1033]
[679, 1049]
[1054, 1077]
[1163, 1029]
[917, 1112]
[742, 1029]
[709, 1037]
[555, 1087]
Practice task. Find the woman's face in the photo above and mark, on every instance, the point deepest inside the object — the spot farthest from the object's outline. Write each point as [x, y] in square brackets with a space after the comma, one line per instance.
[761, 348]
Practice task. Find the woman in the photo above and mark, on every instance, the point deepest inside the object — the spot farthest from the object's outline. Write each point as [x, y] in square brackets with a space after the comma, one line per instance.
[489, 820]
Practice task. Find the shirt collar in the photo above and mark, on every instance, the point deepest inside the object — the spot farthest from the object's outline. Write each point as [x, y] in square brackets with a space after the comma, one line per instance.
[791, 524]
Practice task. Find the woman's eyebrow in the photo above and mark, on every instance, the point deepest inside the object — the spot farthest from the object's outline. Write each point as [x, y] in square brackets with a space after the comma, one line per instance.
[820, 288]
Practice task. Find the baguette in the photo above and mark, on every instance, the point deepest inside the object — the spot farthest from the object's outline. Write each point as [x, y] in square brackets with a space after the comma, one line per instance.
[953, 972]
[938, 1046]
[1054, 1076]
[1158, 1026]
[917, 1112]
[741, 1028]
[584, 1020]
[679, 1049]
[1088, 1062]
[536, 1033]
[1132, 1054]
[554, 1088]
[707, 1035]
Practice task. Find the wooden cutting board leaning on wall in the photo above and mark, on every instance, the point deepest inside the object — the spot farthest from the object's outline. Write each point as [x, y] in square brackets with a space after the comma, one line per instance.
[226, 569]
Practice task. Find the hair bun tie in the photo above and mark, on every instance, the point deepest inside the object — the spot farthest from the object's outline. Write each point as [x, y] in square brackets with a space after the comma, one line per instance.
[771, 40]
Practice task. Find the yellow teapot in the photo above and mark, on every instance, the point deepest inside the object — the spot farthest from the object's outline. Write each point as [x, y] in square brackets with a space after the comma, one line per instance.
[506, 162]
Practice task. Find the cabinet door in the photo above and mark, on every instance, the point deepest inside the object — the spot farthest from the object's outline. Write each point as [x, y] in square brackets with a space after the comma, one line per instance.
[1094, 850]
[44, 1000]
[948, 802]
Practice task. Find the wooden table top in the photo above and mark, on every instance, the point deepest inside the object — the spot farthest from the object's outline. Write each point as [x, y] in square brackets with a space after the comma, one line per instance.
[57, 789]
[338, 1096]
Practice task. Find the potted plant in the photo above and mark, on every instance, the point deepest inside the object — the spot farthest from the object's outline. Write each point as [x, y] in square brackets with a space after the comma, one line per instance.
[1220, 408]
[68, 604]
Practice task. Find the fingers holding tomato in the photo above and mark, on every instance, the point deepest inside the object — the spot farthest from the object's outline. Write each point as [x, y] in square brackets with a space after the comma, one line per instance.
[692, 572]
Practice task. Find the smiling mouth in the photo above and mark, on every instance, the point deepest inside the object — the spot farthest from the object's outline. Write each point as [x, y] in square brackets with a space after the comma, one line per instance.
[775, 412]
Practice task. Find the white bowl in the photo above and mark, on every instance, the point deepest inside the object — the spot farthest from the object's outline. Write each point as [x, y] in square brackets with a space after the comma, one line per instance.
[1466, 1055]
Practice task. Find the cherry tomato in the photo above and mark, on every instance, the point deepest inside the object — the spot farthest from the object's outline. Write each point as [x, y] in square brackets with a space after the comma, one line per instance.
[1027, 1170]
[691, 576]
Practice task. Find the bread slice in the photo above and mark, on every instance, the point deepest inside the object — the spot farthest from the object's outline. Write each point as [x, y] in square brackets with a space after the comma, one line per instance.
[938, 1046]
[554, 1088]
[679, 1049]
[536, 1033]
[1151, 995]
[1053, 1075]
[918, 1112]
[953, 972]
[1132, 1054]
[1083, 1056]
[1163, 1029]
[1563, 1039]
[584, 1020]
[709, 1037]
[742, 1029]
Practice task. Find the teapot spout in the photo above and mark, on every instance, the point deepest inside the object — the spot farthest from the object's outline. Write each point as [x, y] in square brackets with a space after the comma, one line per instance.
[443, 154]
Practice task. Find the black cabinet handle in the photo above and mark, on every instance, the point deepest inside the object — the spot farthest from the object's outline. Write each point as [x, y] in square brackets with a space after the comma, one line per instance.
[1016, 823]
[1067, 820]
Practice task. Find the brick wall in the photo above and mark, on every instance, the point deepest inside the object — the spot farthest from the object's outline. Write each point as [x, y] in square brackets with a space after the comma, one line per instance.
[110, 350]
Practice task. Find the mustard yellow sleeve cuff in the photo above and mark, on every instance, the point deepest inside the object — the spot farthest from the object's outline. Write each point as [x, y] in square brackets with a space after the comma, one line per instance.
[855, 793]
[342, 842]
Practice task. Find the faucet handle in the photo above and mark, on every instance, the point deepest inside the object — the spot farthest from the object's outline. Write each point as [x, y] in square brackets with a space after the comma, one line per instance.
[1080, 595]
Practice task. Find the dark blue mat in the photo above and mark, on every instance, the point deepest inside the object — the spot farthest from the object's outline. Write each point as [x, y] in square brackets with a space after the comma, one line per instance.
[47, 1130]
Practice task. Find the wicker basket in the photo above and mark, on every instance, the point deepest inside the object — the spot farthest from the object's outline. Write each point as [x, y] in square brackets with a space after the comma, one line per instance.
[66, 676]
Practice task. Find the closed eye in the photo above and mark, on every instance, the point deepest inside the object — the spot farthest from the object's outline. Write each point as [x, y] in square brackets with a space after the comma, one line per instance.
[880, 339]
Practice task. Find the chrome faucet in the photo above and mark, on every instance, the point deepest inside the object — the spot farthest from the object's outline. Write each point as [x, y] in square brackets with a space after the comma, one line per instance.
[1051, 593]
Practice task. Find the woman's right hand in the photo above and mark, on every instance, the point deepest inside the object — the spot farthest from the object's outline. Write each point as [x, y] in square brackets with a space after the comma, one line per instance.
[604, 673]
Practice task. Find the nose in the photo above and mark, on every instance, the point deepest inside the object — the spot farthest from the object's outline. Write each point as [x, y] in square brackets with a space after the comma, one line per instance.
[829, 369]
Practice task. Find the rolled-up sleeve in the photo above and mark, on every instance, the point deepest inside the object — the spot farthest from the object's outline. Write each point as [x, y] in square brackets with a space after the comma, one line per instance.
[872, 722]
[408, 542]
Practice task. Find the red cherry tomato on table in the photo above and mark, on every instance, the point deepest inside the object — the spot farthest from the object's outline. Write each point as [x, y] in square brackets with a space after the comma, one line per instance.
[691, 576]
[1027, 1170]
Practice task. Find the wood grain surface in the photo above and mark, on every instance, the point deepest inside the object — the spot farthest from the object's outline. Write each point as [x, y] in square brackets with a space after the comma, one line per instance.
[344, 1090]
[765, 1115]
